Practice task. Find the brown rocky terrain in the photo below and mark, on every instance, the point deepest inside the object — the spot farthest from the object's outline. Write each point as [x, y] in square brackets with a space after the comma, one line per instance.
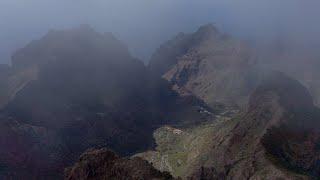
[103, 164]
[276, 138]
[205, 62]
[279, 103]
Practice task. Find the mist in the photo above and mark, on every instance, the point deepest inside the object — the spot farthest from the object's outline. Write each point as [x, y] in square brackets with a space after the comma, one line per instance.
[144, 24]
[236, 96]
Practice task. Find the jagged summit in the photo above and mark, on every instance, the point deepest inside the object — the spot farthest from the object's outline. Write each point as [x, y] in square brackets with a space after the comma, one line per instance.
[168, 53]
[209, 65]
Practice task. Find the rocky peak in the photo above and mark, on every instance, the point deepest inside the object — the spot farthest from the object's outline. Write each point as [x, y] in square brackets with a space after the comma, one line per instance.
[104, 164]
[209, 65]
[207, 31]
[169, 53]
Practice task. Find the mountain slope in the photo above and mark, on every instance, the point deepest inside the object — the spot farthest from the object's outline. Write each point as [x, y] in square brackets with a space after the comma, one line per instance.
[209, 64]
[263, 142]
[104, 164]
[87, 91]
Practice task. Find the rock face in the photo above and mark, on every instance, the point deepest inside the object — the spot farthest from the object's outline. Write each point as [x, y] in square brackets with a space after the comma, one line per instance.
[293, 141]
[218, 68]
[83, 89]
[278, 103]
[277, 137]
[207, 174]
[102, 164]
[211, 65]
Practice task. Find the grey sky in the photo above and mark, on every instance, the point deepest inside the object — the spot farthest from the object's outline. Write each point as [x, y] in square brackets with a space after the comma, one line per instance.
[145, 24]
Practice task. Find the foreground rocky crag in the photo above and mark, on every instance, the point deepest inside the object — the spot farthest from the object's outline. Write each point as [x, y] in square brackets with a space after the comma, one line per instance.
[277, 137]
[76, 89]
[103, 164]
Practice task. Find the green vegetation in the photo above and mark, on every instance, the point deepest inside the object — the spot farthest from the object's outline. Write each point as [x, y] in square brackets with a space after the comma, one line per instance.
[180, 151]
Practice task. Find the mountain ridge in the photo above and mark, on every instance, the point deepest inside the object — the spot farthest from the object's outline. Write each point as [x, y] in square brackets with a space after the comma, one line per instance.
[204, 62]
[84, 90]
[246, 145]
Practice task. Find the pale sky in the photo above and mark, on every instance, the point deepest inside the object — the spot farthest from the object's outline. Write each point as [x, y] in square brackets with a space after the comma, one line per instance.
[144, 24]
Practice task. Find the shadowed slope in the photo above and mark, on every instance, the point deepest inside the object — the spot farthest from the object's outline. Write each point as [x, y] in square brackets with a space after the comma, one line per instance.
[88, 91]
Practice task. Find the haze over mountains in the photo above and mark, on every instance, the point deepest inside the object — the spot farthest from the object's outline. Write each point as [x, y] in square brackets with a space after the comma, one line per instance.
[203, 108]
[278, 125]
[80, 89]
[143, 25]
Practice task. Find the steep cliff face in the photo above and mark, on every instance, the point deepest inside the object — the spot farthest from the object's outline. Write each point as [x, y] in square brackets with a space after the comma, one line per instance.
[104, 164]
[266, 141]
[86, 90]
[293, 141]
[213, 66]
[279, 103]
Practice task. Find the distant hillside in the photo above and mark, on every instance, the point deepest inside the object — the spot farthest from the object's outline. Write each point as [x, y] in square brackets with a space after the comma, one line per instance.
[297, 60]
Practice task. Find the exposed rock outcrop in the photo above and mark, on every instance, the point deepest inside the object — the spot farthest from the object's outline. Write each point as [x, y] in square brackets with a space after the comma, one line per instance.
[102, 164]
[209, 64]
